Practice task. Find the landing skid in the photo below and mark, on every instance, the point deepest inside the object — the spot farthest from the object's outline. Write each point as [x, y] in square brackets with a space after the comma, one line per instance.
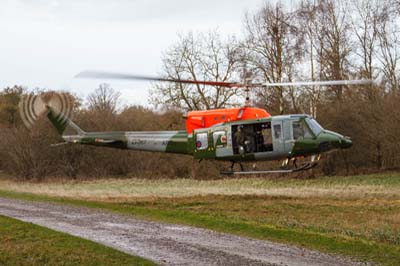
[303, 167]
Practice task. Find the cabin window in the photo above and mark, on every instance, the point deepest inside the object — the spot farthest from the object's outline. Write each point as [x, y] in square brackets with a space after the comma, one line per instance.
[219, 138]
[202, 141]
[277, 131]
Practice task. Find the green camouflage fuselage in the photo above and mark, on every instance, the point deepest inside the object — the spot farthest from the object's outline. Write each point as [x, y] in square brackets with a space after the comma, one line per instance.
[218, 142]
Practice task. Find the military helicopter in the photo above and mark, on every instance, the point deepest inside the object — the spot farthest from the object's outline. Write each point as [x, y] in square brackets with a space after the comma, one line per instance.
[244, 134]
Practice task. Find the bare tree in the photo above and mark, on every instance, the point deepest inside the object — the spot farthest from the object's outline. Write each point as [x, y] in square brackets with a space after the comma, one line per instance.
[197, 57]
[365, 23]
[334, 42]
[104, 99]
[307, 18]
[271, 48]
[389, 40]
[102, 108]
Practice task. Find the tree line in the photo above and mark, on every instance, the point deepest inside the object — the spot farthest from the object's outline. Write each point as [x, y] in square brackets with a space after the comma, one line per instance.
[29, 153]
[314, 40]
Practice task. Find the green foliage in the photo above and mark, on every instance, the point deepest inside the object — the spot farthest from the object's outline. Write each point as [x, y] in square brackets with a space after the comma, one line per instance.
[9, 99]
[28, 244]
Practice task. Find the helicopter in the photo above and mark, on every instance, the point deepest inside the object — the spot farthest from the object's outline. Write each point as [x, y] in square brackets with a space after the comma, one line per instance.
[236, 135]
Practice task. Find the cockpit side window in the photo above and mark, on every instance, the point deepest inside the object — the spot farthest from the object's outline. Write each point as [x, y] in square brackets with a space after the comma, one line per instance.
[300, 130]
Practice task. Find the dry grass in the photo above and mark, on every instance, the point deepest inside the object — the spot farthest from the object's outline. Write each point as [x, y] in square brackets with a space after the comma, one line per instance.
[382, 187]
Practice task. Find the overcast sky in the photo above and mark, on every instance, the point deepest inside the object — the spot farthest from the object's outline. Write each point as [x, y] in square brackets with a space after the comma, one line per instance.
[44, 43]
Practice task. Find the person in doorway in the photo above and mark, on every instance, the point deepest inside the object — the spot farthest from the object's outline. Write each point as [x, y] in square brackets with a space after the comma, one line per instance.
[267, 139]
[240, 138]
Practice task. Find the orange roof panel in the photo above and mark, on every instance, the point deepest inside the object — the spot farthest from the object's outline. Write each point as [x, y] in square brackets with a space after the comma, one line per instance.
[208, 118]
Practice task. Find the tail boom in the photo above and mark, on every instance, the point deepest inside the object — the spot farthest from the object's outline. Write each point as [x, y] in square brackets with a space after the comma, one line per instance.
[156, 141]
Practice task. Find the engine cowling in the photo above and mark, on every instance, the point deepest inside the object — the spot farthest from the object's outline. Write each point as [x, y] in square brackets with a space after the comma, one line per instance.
[208, 118]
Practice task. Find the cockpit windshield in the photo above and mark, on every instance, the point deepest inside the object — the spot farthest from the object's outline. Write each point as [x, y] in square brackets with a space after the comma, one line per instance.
[314, 126]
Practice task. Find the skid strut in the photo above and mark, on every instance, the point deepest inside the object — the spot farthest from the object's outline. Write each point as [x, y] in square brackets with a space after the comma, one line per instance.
[302, 167]
[233, 164]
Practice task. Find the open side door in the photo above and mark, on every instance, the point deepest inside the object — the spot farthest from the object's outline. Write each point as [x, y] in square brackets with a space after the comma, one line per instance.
[278, 137]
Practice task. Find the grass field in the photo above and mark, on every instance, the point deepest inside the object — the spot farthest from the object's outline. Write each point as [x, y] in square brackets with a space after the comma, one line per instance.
[23, 244]
[385, 186]
[357, 216]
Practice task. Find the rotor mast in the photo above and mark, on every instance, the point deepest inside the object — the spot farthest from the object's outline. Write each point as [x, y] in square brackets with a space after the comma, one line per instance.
[247, 84]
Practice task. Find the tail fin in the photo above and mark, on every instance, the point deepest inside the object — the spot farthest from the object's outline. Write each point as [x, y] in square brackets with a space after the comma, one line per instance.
[62, 123]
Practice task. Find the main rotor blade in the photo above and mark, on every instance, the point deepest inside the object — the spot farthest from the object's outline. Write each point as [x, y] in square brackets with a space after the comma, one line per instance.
[112, 75]
[122, 76]
[322, 83]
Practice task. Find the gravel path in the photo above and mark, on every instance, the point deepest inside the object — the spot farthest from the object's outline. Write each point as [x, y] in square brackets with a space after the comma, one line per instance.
[165, 244]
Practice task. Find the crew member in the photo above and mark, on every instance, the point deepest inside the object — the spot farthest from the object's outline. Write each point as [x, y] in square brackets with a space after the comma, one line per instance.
[240, 138]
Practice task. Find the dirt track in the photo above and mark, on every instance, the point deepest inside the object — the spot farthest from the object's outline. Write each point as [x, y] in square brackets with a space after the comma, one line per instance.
[166, 244]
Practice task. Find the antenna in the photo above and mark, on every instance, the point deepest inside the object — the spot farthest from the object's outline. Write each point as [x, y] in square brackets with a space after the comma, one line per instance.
[247, 78]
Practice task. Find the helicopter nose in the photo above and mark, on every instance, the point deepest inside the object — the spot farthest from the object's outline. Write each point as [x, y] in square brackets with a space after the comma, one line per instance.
[334, 140]
[346, 143]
